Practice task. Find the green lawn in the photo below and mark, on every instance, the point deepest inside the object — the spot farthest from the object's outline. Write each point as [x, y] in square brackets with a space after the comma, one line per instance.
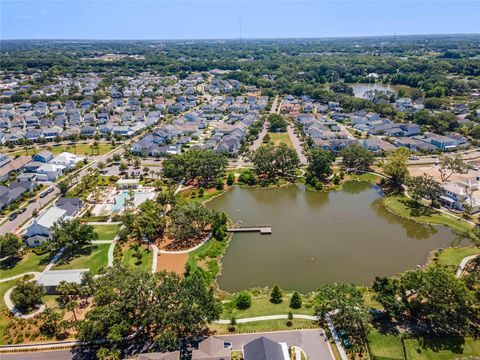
[80, 149]
[133, 262]
[261, 305]
[29, 262]
[442, 349]
[400, 205]
[278, 138]
[106, 232]
[91, 257]
[268, 325]
[383, 345]
[453, 256]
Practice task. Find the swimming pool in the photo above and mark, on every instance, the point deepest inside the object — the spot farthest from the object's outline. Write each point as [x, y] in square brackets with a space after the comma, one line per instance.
[139, 198]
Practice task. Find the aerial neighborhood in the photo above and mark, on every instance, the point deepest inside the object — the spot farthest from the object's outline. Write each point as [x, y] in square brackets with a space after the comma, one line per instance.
[258, 200]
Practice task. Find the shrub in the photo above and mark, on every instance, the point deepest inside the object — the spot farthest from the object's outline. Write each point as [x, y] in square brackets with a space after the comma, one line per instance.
[201, 191]
[243, 300]
[41, 250]
[230, 179]
[296, 301]
[276, 295]
[219, 185]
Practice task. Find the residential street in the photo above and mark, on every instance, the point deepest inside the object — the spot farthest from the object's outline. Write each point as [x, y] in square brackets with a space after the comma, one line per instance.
[297, 145]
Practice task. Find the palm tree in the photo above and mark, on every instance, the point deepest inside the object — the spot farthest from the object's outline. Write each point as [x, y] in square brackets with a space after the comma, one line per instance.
[72, 306]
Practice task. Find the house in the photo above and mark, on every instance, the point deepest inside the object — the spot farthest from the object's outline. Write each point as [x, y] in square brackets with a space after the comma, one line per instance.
[211, 348]
[377, 145]
[16, 164]
[49, 172]
[38, 231]
[265, 349]
[67, 160]
[44, 156]
[72, 206]
[457, 194]
[14, 192]
[50, 280]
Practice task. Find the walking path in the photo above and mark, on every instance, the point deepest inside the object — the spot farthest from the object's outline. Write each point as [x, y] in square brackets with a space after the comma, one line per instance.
[268, 317]
[464, 263]
[34, 273]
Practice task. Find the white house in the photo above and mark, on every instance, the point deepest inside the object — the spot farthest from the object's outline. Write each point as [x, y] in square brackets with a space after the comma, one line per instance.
[49, 172]
[67, 160]
[39, 230]
[462, 192]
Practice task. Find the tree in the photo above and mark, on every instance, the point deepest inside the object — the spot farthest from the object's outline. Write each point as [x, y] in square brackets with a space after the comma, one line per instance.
[230, 179]
[435, 297]
[201, 165]
[10, 245]
[71, 235]
[166, 308]
[188, 221]
[26, 295]
[277, 123]
[276, 295]
[275, 161]
[425, 187]
[320, 163]
[123, 166]
[266, 138]
[450, 165]
[243, 300]
[356, 158]
[296, 301]
[108, 354]
[63, 186]
[345, 305]
[341, 87]
[396, 166]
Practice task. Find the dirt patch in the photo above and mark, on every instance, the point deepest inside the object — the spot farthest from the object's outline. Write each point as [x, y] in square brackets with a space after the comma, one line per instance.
[172, 262]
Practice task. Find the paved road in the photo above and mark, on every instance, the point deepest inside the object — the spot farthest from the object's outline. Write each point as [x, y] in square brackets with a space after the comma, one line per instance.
[311, 341]
[297, 145]
[47, 355]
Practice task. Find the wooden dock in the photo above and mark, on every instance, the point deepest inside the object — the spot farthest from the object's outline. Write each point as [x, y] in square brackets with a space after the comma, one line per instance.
[262, 229]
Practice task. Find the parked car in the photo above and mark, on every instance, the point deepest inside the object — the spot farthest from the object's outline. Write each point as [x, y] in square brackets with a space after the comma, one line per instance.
[22, 210]
[50, 190]
[43, 194]
[13, 216]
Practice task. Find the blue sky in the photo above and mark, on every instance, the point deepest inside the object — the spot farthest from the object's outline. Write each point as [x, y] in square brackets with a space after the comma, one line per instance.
[140, 19]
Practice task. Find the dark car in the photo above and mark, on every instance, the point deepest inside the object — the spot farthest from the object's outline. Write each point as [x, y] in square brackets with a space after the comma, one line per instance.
[50, 190]
[43, 194]
[13, 216]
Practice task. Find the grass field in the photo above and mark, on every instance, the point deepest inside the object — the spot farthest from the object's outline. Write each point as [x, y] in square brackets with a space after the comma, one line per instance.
[143, 263]
[278, 138]
[383, 345]
[268, 325]
[29, 262]
[453, 256]
[79, 149]
[106, 232]
[442, 349]
[400, 205]
[92, 257]
[261, 305]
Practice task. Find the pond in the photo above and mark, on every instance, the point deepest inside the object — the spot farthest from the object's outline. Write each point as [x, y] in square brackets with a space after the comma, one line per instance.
[320, 238]
[360, 89]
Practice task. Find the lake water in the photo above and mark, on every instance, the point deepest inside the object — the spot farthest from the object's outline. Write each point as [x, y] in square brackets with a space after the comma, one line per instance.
[360, 89]
[320, 238]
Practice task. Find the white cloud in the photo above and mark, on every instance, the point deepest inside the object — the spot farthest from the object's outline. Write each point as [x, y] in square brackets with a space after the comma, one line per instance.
[24, 16]
[44, 12]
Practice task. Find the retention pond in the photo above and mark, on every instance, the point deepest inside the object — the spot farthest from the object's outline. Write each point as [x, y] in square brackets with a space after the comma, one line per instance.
[320, 237]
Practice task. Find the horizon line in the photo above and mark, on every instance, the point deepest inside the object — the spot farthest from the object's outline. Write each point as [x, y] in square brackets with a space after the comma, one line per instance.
[244, 38]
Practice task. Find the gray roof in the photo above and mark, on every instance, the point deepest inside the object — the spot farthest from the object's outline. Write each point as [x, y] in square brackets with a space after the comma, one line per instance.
[55, 277]
[262, 349]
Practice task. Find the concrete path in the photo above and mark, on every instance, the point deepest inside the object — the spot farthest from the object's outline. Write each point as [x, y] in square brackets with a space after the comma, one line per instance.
[336, 338]
[110, 253]
[464, 263]
[268, 317]
[35, 274]
[15, 311]
[102, 241]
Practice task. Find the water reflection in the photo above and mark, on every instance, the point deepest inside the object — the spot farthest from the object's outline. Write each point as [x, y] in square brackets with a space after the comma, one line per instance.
[320, 237]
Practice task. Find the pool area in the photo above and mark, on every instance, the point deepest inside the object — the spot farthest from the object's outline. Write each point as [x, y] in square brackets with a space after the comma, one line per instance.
[139, 198]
